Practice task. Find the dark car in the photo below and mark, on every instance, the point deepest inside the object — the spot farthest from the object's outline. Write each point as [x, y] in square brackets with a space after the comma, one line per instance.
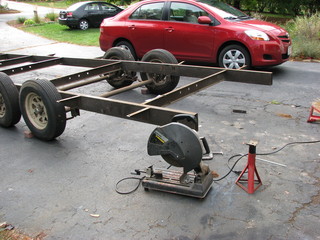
[197, 31]
[87, 14]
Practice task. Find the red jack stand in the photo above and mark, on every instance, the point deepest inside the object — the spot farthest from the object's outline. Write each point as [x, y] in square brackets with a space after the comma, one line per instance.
[314, 108]
[251, 167]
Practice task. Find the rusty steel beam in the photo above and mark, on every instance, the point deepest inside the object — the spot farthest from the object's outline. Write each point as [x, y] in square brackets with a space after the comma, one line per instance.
[123, 109]
[111, 67]
[33, 66]
[233, 75]
[184, 91]
[127, 88]
[7, 56]
[15, 60]
[243, 76]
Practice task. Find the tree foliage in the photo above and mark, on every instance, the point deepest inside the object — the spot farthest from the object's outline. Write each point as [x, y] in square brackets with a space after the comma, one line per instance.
[292, 7]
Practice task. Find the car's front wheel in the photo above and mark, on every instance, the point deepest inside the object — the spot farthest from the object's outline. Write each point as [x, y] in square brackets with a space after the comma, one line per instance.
[234, 57]
[83, 24]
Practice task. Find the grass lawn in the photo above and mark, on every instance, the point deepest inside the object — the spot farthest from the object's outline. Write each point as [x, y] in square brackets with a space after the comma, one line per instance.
[52, 4]
[61, 33]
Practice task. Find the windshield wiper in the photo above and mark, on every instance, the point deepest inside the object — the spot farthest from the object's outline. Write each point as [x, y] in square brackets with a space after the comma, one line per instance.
[244, 17]
[230, 18]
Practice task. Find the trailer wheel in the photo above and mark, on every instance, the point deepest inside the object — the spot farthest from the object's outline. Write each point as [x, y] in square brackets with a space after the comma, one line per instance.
[45, 117]
[120, 79]
[161, 83]
[9, 102]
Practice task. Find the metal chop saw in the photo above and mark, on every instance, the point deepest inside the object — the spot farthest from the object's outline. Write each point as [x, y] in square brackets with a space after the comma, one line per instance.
[180, 146]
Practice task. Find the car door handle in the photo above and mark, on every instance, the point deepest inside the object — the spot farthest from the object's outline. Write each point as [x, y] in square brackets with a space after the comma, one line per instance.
[132, 27]
[169, 29]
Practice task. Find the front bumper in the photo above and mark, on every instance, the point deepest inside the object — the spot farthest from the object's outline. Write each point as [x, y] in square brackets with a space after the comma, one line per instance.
[268, 53]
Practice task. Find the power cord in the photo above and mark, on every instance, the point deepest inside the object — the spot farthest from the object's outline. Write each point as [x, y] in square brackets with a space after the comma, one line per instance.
[260, 154]
[128, 178]
[138, 172]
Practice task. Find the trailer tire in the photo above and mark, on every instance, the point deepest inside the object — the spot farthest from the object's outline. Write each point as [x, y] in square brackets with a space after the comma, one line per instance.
[120, 79]
[9, 102]
[161, 83]
[45, 117]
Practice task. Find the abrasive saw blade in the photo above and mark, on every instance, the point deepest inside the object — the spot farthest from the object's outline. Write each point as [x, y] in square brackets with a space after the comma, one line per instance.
[178, 145]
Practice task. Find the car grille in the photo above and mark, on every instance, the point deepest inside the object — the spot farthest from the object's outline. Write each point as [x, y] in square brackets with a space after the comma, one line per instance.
[284, 38]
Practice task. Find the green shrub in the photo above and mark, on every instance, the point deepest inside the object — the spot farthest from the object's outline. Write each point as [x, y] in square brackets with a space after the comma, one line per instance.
[305, 34]
[21, 19]
[52, 16]
[29, 22]
[308, 27]
[306, 49]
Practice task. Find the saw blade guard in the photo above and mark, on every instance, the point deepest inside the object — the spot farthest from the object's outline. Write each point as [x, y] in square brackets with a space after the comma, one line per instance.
[178, 145]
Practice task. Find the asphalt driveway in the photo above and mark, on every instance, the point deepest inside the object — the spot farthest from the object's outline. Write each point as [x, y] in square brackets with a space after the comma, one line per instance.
[66, 188]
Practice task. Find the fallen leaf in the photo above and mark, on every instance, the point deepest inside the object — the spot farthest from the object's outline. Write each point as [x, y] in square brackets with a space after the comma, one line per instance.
[284, 115]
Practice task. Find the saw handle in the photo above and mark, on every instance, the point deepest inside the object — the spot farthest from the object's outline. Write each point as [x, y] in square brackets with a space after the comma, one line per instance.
[207, 155]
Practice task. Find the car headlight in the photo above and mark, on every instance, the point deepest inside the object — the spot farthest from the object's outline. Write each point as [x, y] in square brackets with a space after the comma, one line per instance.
[257, 35]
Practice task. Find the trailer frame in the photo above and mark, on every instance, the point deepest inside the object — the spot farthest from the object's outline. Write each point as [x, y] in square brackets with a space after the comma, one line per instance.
[152, 111]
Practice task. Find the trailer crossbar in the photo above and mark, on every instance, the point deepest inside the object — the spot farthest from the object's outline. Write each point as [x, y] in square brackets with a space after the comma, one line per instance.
[187, 90]
[123, 109]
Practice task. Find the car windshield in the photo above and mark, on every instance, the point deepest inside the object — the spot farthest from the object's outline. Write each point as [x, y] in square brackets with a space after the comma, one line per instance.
[225, 11]
[75, 6]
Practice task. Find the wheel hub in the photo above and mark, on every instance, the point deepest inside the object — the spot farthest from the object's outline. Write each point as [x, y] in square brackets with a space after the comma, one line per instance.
[158, 79]
[2, 106]
[36, 111]
[234, 59]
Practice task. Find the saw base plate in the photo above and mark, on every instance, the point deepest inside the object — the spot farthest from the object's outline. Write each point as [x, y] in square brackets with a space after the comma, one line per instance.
[169, 181]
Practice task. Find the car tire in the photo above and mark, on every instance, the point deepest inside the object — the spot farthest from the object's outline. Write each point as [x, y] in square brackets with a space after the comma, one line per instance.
[120, 78]
[234, 57]
[161, 83]
[128, 46]
[9, 102]
[43, 114]
[83, 24]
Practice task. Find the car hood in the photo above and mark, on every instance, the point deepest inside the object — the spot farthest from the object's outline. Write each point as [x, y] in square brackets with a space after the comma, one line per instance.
[264, 26]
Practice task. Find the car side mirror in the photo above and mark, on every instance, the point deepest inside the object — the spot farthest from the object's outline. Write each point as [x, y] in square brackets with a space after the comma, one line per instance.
[204, 20]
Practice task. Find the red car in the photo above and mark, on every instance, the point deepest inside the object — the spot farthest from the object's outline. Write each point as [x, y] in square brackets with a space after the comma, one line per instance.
[197, 31]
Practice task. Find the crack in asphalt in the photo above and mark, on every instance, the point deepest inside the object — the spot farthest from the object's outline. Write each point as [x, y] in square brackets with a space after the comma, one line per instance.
[314, 200]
